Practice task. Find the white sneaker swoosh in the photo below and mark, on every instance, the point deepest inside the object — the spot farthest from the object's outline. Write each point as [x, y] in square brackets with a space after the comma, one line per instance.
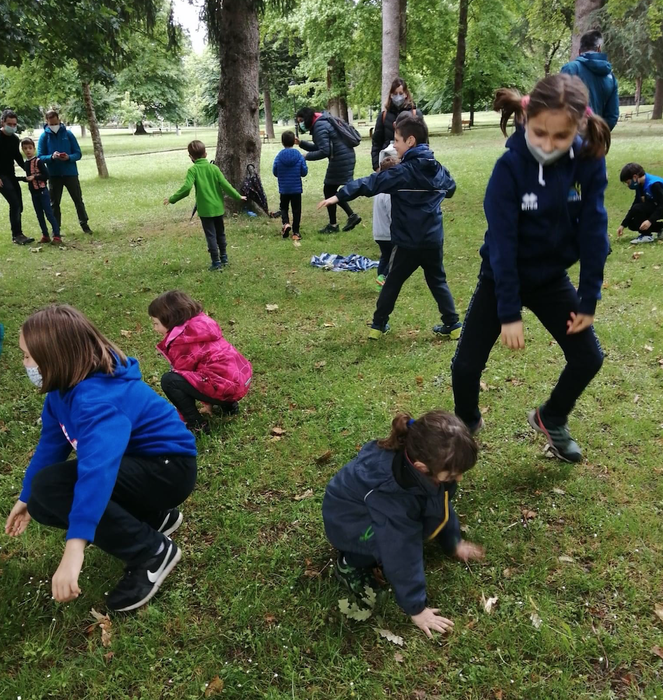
[154, 576]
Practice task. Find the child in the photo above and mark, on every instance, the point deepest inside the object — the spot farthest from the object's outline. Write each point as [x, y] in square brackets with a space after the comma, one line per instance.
[544, 206]
[205, 366]
[290, 167]
[382, 224]
[37, 177]
[135, 461]
[646, 212]
[210, 186]
[395, 494]
[417, 187]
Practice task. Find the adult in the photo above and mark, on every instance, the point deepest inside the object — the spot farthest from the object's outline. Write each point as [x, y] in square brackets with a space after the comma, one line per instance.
[59, 149]
[399, 100]
[594, 69]
[327, 143]
[10, 154]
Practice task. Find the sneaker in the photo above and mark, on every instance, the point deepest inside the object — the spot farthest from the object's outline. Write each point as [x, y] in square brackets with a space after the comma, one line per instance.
[215, 267]
[141, 582]
[87, 229]
[296, 237]
[285, 231]
[172, 520]
[45, 239]
[353, 220]
[562, 445]
[22, 240]
[230, 409]
[380, 280]
[355, 580]
[376, 332]
[643, 239]
[477, 428]
[446, 331]
[57, 240]
[330, 228]
[224, 260]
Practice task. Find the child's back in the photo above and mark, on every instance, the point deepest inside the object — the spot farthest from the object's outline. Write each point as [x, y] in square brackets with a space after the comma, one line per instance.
[209, 184]
[289, 168]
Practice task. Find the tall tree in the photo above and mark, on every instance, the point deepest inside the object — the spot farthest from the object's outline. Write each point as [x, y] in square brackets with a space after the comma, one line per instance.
[402, 29]
[459, 69]
[391, 44]
[583, 20]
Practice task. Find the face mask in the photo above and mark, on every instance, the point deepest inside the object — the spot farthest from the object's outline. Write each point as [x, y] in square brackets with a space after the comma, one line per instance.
[9, 130]
[633, 185]
[54, 128]
[302, 128]
[540, 155]
[34, 375]
[397, 100]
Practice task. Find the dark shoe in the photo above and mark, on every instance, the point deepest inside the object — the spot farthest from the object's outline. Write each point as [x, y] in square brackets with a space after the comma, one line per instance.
[45, 239]
[562, 445]
[199, 427]
[230, 409]
[377, 332]
[224, 260]
[353, 220]
[172, 520]
[452, 332]
[329, 228]
[477, 427]
[285, 231]
[87, 229]
[141, 582]
[216, 267]
[57, 240]
[355, 580]
[22, 240]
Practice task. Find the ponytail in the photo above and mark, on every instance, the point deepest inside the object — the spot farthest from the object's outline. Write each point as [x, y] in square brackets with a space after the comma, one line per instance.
[597, 137]
[510, 103]
[398, 435]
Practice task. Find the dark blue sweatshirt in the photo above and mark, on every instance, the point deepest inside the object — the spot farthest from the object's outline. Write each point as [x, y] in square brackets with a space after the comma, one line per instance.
[417, 187]
[542, 220]
[103, 418]
[290, 167]
[380, 505]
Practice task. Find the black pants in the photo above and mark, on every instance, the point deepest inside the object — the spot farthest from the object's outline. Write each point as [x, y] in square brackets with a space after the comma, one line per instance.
[11, 191]
[145, 488]
[330, 191]
[385, 255]
[403, 263]
[215, 233]
[184, 396]
[41, 201]
[639, 213]
[73, 185]
[552, 304]
[296, 201]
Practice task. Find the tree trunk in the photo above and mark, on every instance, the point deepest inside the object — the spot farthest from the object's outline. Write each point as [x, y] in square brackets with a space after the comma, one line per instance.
[140, 129]
[83, 133]
[459, 69]
[337, 89]
[657, 113]
[102, 170]
[269, 120]
[391, 24]
[638, 94]
[402, 33]
[583, 11]
[238, 143]
[472, 108]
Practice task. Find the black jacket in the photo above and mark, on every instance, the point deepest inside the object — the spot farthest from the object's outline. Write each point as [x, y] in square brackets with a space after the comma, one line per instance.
[383, 134]
[10, 153]
[35, 166]
[328, 144]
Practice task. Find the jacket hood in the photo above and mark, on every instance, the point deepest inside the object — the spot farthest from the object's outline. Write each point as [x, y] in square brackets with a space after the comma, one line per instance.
[425, 156]
[289, 156]
[199, 329]
[128, 372]
[596, 62]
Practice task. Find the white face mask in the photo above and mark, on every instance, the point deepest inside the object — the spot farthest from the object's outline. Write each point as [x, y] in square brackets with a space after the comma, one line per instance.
[397, 100]
[34, 375]
[540, 155]
[54, 128]
[9, 130]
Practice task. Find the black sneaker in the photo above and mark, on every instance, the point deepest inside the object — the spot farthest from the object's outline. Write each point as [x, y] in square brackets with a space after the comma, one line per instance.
[87, 229]
[224, 260]
[354, 579]
[353, 220]
[171, 521]
[140, 583]
[448, 331]
[216, 267]
[231, 409]
[562, 445]
[329, 228]
[285, 231]
[22, 240]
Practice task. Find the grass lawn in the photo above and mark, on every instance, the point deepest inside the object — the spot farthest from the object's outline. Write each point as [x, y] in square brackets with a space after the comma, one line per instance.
[247, 603]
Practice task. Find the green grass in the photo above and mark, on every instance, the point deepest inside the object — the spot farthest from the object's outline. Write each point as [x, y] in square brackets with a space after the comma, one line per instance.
[240, 606]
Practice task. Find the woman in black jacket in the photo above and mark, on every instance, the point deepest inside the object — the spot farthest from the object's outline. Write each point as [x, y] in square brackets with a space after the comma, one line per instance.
[399, 100]
[327, 143]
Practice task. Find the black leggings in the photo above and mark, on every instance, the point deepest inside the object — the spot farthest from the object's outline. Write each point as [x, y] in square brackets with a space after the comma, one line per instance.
[296, 201]
[184, 396]
[330, 191]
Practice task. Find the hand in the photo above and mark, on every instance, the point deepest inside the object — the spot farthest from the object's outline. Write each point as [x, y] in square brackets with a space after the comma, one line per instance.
[166, 201]
[468, 551]
[244, 199]
[65, 580]
[296, 142]
[328, 202]
[56, 154]
[645, 225]
[578, 323]
[206, 408]
[620, 230]
[17, 520]
[64, 156]
[513, 336]
[29, 178]
[428, 621]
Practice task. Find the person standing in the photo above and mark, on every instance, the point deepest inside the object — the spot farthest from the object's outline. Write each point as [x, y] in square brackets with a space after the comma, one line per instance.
[10, 154]
[59, 149]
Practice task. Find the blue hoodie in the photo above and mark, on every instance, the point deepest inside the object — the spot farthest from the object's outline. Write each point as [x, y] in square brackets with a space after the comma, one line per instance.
[290, 167]
[367, 511]
[595, 71]
[63, 142]
[417, 187]
[542, 220]
[103, 418]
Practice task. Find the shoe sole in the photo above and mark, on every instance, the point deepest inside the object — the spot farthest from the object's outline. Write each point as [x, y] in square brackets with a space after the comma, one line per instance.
[454, 335]
[173, 527]
[531, 419]
[349, 228]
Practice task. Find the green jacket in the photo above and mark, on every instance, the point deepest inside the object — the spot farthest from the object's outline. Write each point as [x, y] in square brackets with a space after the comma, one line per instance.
[210, 186]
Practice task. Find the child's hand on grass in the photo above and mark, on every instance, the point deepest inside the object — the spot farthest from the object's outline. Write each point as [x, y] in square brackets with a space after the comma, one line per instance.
[513, 335]
[65, 580]
[578, 323]
[468, 551]
[620, 230]
[17, 520]
[428, 621]
[328, 202]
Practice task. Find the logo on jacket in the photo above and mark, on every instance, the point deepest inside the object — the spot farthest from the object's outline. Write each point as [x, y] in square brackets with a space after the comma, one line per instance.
[73, 443]
[530, 202]
[367, 535]
[575, 193]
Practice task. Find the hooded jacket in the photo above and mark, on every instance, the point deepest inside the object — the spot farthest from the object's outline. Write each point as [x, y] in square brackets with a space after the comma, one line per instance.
[327, 143]
[63, 142]
[210, 186]
[367, 511]
[542, 220]
[103, 418]
[198, 352]
[383, 133]
[417, 186]
[595, 71]
[651, 192]
[290, 167]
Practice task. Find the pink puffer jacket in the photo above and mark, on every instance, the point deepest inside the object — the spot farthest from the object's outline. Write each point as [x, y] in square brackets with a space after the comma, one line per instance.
[198, 351]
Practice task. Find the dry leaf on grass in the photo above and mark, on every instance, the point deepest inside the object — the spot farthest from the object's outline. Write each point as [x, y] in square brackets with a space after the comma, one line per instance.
[649, 348]
[270, 619]
[214, 687]
[329, 325]
[536, 620]
[398, 657]
[279, 432]
[125, 334]
[310, 572]
[658, 609]
[104, 624]
[637, 255]
[498, 694]
[507, 573]
[488, 603]
[353, 611]
[419, 381]
[109, 656]
[566, 559]
[324, 457]
[636, 398]
[271, 307]
[657, 650]
[320, 364]
[390, 636]
[307, 494]
[483, 385]
[559, 492]
[528, 514]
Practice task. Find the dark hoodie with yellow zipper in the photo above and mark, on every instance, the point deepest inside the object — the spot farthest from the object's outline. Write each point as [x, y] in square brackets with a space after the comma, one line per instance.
[378, 505]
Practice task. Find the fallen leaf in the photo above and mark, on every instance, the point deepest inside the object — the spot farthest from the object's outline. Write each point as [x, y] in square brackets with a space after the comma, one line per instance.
[507, 573]
[390, 636]
[636, 398]
[353, 611]
[657, 650]
[321, 364]
[271, 307]
[125, 334]
[566, 559]
[324, 457]
[59, 291]
[657, 267]
[465, 528]
[329, 325]
[649, 348]
[488, 603]
[310, 572]
[214, 687]
[658, 609]
[104, 624]
[97, 294]
[483, 385]
[297, 244]
[278, 431]
[307, 494]
[559, 492]
[275, 438]
[637, 255]
[109, 656]
[485, 410]
[398, 657]
[528, 514]
[419, 381]
[498, 694]
[36, 250]
[418, 695]
[536, 620]
[270, 619]
[58, 274]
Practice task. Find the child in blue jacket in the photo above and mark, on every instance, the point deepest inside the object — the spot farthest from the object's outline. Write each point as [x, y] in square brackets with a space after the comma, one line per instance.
[544, 206]
[290, 167]
[396, 494]
[646, 213]
[135, 459]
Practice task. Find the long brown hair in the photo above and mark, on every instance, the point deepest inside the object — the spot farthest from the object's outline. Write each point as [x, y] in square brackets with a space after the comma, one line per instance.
[399, 82]
[68, 347]
[438, 439]
[174, 308]
[556, 92]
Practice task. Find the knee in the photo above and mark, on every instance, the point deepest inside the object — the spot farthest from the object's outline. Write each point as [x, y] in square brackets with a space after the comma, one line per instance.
[168, 381]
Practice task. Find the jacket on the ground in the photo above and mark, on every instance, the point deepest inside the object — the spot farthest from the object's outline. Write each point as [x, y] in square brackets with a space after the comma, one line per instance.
[198, 351]
[10, 153]
[383, 133]
[210, 186]
[103, 418]
[62, 142]
[289, 168]
[37, 168]
[651, 191]
[542, 220]
[417, 186]
[594, 69]
[367, 511]
[327, 143]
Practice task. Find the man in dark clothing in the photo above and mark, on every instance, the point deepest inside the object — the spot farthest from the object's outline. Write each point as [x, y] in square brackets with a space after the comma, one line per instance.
[646, 213]
[594, 69]
[9, 188]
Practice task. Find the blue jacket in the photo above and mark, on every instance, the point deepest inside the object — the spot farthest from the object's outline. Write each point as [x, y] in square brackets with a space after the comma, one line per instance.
[103, 418]
[542, 220]
[367, 511]
[417, 187]
[595, 71]
[327, 143]
[64, 142]
[652, 192]
[290, 167]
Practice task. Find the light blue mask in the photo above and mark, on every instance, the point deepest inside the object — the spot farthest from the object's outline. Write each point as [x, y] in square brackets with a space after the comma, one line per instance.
[34, 375]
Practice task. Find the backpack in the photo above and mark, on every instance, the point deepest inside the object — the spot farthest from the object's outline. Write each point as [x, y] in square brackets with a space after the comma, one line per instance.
[349, 135]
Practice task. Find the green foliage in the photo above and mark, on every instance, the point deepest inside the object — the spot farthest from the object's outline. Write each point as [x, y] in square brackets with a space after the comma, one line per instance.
[202, 86]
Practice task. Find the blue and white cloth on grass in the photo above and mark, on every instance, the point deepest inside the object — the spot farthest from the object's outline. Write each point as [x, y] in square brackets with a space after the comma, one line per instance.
[339, 263]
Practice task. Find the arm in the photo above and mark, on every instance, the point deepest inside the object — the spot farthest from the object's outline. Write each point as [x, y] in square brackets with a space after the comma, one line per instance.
[450, 537]
[75, 148]
[307, 146]
[378, 140]
[388, 181]
[570, 68]
[449, 184]
[322, 147]
[611, 114]
[41, 148]
[304, 166]
[18, 157]
[226, 186]
[186, 187]
[43, 173]
[275, 167]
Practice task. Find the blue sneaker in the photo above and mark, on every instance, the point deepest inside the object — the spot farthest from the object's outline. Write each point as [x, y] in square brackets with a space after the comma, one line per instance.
[452, 332]
[215, 267]
[376, 332]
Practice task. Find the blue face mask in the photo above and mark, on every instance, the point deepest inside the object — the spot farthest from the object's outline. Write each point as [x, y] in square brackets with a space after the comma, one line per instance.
[633, 185]
[302, 128]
